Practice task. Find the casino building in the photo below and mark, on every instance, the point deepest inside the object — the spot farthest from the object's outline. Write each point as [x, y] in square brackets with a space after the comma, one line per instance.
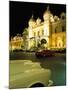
[52, 29]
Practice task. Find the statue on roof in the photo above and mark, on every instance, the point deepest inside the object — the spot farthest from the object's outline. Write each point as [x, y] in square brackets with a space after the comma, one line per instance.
[48, 8]
[32, 18]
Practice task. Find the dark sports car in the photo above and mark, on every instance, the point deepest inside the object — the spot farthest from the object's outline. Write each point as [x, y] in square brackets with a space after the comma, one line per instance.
[44, 53]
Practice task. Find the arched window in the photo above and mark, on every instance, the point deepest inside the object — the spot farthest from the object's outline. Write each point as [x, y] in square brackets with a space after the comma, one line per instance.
[63, 29]
[38, 33]
[55, 30]
[34, 34]
[63, 16]
[42, 32]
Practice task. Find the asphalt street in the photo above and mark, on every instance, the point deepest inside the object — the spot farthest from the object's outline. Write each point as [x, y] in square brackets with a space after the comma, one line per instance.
[57, 64]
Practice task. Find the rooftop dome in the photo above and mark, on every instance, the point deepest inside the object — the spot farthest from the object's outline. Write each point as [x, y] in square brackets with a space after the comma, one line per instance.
[62, 15]
[31, 19]
[38, 21]
[47, 14]
[31, 22]
[56, 18]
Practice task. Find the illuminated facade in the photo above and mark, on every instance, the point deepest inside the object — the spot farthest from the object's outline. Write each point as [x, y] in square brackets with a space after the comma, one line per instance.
[52, 29]
[16, 43]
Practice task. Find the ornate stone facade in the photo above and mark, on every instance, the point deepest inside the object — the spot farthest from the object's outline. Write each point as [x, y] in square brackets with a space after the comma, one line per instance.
[16, 42]
[52, 29]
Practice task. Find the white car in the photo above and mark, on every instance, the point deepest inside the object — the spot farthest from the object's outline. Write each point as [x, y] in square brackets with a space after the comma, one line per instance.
[26, 74]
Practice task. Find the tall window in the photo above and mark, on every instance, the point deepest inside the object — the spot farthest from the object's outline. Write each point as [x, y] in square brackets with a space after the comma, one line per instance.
[34, 34]
[55, 30]
[38, 33]
[42, 32]
[63, 40]
[63, 29]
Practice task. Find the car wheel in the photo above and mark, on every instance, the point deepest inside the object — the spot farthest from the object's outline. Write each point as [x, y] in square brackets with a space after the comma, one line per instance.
[37, 85]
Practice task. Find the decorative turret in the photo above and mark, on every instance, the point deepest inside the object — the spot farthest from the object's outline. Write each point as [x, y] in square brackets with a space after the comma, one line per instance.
[31, 22]
[38, 21]
[63, 15]
[47, 15]
[56, 18]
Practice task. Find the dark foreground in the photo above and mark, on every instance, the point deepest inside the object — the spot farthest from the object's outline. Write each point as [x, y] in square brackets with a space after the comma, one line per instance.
[57, 64]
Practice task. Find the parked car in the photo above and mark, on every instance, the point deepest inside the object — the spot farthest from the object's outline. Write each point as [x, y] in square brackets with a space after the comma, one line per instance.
[44, 53]
[31, 74]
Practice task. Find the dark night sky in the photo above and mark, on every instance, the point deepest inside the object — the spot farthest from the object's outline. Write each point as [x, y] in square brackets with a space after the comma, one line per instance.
[20, 13]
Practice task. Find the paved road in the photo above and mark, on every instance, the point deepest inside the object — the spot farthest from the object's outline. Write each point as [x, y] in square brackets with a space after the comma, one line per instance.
[57, 64]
